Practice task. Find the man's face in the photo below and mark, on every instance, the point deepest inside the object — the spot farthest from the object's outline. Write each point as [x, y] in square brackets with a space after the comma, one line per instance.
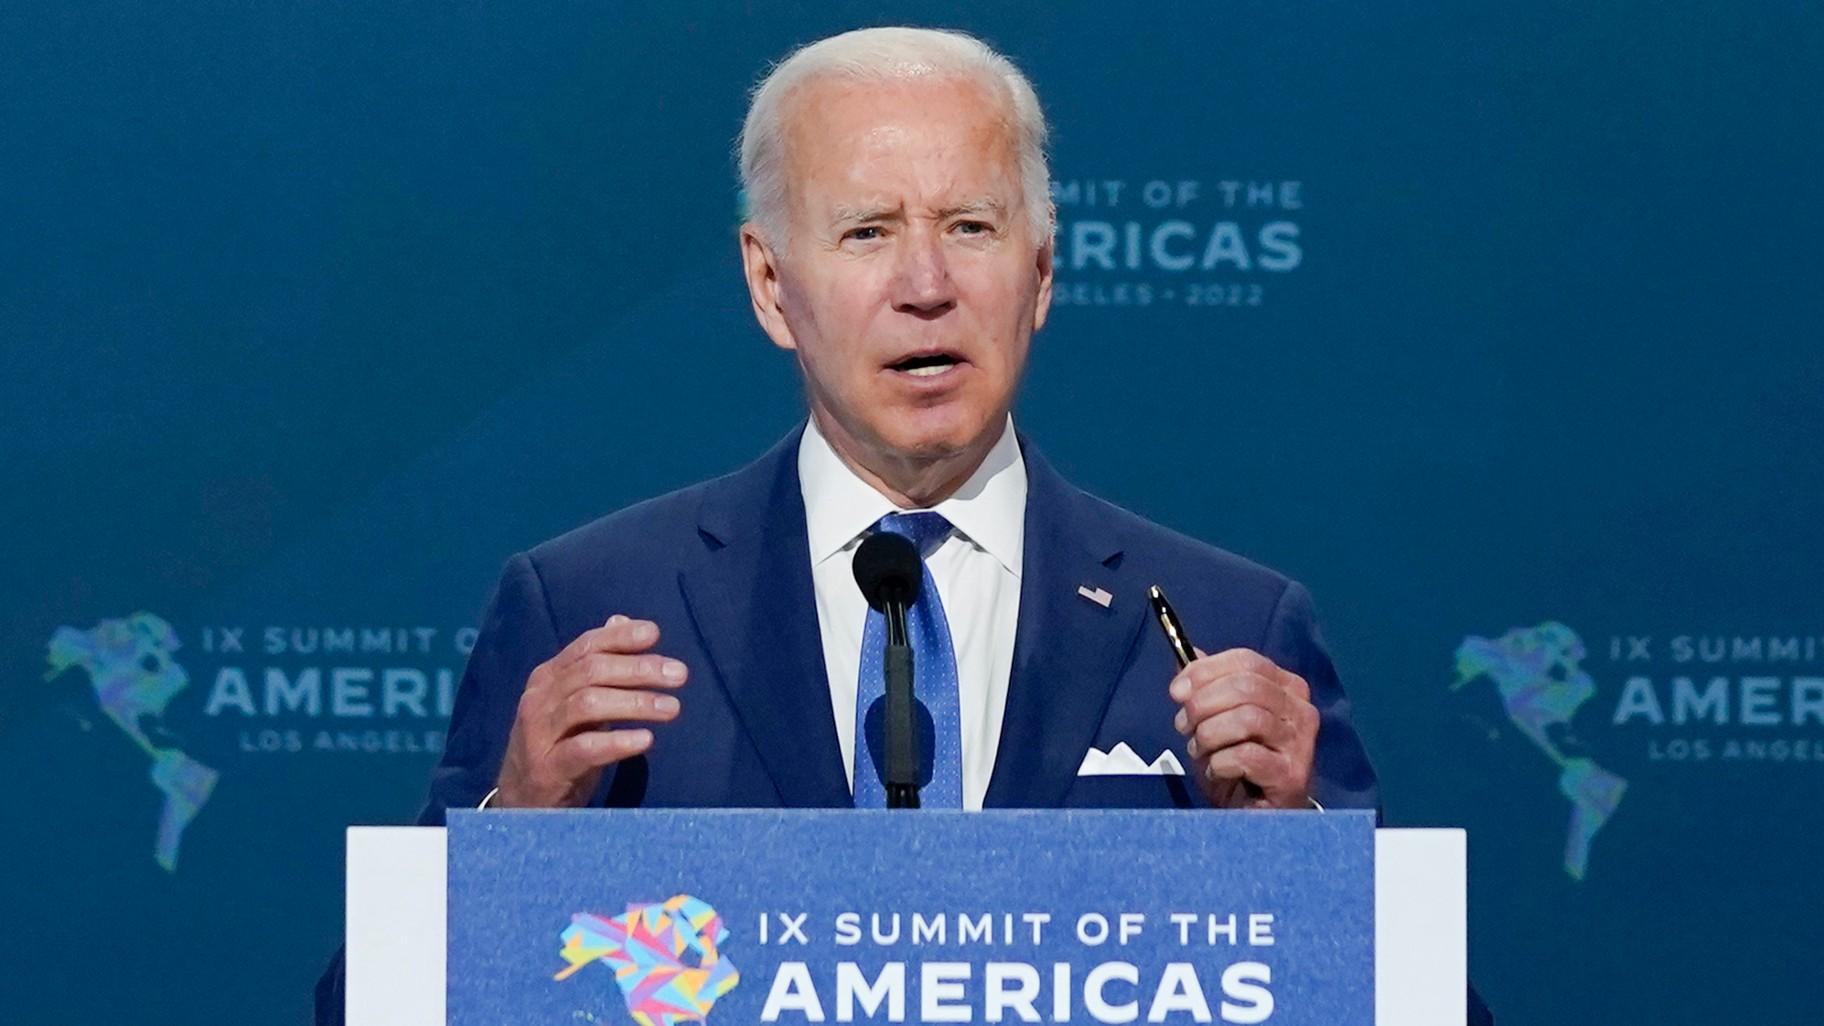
[911, 282]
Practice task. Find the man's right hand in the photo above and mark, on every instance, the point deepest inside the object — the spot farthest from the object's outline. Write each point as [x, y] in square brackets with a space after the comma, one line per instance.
[562, 736]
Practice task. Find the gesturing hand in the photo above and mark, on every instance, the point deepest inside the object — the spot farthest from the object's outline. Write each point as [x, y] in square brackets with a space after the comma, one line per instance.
[562, 737]
[1247, 720]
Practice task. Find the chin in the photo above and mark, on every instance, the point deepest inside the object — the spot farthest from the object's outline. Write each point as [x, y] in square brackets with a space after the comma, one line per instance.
[927, 438]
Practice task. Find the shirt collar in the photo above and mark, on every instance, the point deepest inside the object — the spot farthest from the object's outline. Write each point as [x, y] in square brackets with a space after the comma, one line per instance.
[989, 509]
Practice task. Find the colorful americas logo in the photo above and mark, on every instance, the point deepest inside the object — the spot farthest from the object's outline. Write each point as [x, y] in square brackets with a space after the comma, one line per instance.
[1539, 674]
[666, 957]
[355, 689]
[130, 668]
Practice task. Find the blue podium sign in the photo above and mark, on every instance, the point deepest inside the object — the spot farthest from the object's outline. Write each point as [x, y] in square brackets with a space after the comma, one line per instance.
[731, 918]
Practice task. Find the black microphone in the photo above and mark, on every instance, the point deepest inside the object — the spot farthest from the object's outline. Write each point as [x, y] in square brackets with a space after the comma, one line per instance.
[889, 572]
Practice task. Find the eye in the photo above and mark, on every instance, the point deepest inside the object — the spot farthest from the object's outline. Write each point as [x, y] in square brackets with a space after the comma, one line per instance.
[866, 233]
[974, 227]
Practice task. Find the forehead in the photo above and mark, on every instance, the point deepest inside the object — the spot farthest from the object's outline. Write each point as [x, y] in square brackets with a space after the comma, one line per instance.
[916, 140]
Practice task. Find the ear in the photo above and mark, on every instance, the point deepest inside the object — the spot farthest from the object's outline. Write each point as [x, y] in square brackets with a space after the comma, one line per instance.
[760, 265]
[1046, 253]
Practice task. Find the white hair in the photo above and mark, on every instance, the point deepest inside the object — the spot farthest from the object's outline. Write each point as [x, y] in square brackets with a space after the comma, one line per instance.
[886, 55]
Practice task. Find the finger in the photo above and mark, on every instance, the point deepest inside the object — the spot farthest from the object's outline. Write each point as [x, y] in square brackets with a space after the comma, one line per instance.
[607, 669]
[592, 749]
[1205, 672]
[620, 634]
[1212, 667]
[1239, 659]
[1248, 723]
[1248, 761]
[1233, 692]
[592, 706]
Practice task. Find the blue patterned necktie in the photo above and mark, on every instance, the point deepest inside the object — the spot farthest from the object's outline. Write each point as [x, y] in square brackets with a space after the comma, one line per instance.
[935, 716]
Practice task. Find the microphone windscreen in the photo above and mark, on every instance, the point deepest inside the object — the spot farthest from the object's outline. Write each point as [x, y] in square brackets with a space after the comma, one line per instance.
[886, 565]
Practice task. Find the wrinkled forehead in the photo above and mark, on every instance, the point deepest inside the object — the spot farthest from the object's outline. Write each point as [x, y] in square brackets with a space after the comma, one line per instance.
[950, 138]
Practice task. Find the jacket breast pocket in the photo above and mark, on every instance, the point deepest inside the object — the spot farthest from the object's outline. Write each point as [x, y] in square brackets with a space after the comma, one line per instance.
[1131, 791]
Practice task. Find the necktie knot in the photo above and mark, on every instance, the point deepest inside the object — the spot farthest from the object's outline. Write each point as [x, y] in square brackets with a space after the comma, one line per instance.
[925, 529]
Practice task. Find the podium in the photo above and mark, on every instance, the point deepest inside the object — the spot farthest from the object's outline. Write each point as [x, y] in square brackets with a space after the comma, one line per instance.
[738, 917]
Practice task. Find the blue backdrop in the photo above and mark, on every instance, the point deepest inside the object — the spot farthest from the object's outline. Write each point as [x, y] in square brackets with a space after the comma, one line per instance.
[1497, 328]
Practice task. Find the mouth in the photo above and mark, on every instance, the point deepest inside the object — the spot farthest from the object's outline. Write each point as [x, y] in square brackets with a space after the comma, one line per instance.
[933, 363]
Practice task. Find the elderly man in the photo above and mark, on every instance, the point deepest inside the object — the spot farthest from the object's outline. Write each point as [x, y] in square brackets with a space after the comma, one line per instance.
[706, 647]
[710, 647]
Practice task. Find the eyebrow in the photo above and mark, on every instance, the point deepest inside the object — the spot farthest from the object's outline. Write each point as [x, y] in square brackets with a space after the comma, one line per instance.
[978, 206]
[845, 214]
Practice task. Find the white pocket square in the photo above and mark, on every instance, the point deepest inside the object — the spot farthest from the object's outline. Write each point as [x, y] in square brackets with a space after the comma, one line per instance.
[1121, 761]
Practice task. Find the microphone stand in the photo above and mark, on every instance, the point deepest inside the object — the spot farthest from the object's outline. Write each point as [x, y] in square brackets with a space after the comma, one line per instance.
[902, 737]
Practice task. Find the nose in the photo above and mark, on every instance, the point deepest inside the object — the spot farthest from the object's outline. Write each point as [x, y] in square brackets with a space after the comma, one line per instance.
[922, 284]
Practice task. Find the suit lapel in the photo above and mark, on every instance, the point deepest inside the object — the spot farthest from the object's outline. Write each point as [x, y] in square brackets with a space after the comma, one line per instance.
[751, 596]
[1068, 650]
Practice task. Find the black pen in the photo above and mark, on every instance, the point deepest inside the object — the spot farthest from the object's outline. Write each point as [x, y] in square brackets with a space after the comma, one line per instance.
[1184, 650]
[1172, 626]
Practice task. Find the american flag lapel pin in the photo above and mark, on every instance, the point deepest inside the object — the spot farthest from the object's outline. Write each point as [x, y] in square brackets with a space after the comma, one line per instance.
[1097, 595]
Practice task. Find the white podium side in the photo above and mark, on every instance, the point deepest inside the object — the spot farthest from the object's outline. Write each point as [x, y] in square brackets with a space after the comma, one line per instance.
[396, 897]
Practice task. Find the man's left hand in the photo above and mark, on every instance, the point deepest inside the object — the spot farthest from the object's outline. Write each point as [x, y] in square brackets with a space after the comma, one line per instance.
[1248, 721]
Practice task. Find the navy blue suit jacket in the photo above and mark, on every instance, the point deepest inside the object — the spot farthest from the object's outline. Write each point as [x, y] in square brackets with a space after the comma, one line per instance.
[723, 567]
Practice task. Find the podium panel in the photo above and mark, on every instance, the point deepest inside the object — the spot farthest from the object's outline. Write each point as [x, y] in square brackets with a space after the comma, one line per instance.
[658, 917]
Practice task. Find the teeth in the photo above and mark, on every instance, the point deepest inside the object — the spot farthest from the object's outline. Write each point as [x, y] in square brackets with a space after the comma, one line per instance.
[929, 371]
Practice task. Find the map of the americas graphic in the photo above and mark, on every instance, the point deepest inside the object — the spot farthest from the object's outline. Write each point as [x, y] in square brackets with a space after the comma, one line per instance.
[130, 668]
[1539, 674]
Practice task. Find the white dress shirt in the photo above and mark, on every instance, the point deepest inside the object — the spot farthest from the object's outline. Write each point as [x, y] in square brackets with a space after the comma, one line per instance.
[976, 569]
